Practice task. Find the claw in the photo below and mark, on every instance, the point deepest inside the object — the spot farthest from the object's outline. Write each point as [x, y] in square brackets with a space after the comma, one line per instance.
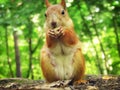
[60, 83]
[52, 33]
[56, 33]
[61, 32]
[80, 82]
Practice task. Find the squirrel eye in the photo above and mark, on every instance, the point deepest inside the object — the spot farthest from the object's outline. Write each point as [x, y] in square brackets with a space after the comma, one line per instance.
[63, 12]
[45, 15]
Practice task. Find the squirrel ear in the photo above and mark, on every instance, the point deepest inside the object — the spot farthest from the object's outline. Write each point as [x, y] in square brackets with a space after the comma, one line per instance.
[63, 4]
[47, 3]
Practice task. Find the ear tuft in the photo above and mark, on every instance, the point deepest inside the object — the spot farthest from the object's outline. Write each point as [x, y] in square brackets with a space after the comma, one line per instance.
[63, 4]
[47, 3]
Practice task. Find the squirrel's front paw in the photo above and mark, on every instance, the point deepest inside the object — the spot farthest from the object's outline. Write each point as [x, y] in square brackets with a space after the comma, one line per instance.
[59, 32]
[56, 33]
[51, 33]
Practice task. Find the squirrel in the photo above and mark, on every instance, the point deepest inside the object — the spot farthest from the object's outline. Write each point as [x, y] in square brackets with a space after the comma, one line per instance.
[61, 55]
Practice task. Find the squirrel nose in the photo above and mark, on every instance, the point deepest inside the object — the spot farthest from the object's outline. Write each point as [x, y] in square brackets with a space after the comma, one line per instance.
[54, 24]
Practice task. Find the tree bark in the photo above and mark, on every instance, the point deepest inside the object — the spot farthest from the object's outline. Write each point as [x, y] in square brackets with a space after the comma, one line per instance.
[7, 52]
[92, 83]
[17, 55]
[30, 71]
[116, 34]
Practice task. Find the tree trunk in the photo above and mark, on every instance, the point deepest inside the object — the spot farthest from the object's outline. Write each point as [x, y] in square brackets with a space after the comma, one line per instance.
[30, 71]
[116, 34]
[7, 52]
[17, 55]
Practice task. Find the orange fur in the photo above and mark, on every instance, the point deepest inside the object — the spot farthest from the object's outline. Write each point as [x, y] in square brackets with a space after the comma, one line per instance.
[61, 56]
[79, 65]
[47, 67]
[69, 38]
[51, 42]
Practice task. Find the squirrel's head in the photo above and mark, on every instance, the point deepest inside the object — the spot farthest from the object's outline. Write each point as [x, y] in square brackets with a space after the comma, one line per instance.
[56, 15]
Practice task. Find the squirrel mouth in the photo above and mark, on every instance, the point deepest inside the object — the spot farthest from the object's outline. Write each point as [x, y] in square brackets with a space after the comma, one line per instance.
[54, 24]
[54, 27]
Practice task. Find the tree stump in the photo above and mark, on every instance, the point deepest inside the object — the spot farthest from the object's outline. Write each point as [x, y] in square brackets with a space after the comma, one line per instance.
[92, 83]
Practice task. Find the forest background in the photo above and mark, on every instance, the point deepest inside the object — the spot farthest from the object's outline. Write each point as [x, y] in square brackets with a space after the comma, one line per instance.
[97, 24]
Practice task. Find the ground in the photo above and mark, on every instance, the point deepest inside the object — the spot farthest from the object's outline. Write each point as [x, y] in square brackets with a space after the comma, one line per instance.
[93, 82]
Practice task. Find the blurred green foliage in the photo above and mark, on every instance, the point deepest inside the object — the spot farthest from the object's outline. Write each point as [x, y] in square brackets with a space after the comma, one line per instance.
[97, 24]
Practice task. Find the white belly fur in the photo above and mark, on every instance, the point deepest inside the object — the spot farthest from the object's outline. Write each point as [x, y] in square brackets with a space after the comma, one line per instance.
[61, 57]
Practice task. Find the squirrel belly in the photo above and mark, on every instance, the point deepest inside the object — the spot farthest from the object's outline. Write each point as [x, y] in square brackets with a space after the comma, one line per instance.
[61, 58]
[62, 64]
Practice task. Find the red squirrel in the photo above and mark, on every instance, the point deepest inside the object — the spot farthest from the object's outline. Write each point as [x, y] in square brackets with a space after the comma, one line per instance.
[61, 55]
